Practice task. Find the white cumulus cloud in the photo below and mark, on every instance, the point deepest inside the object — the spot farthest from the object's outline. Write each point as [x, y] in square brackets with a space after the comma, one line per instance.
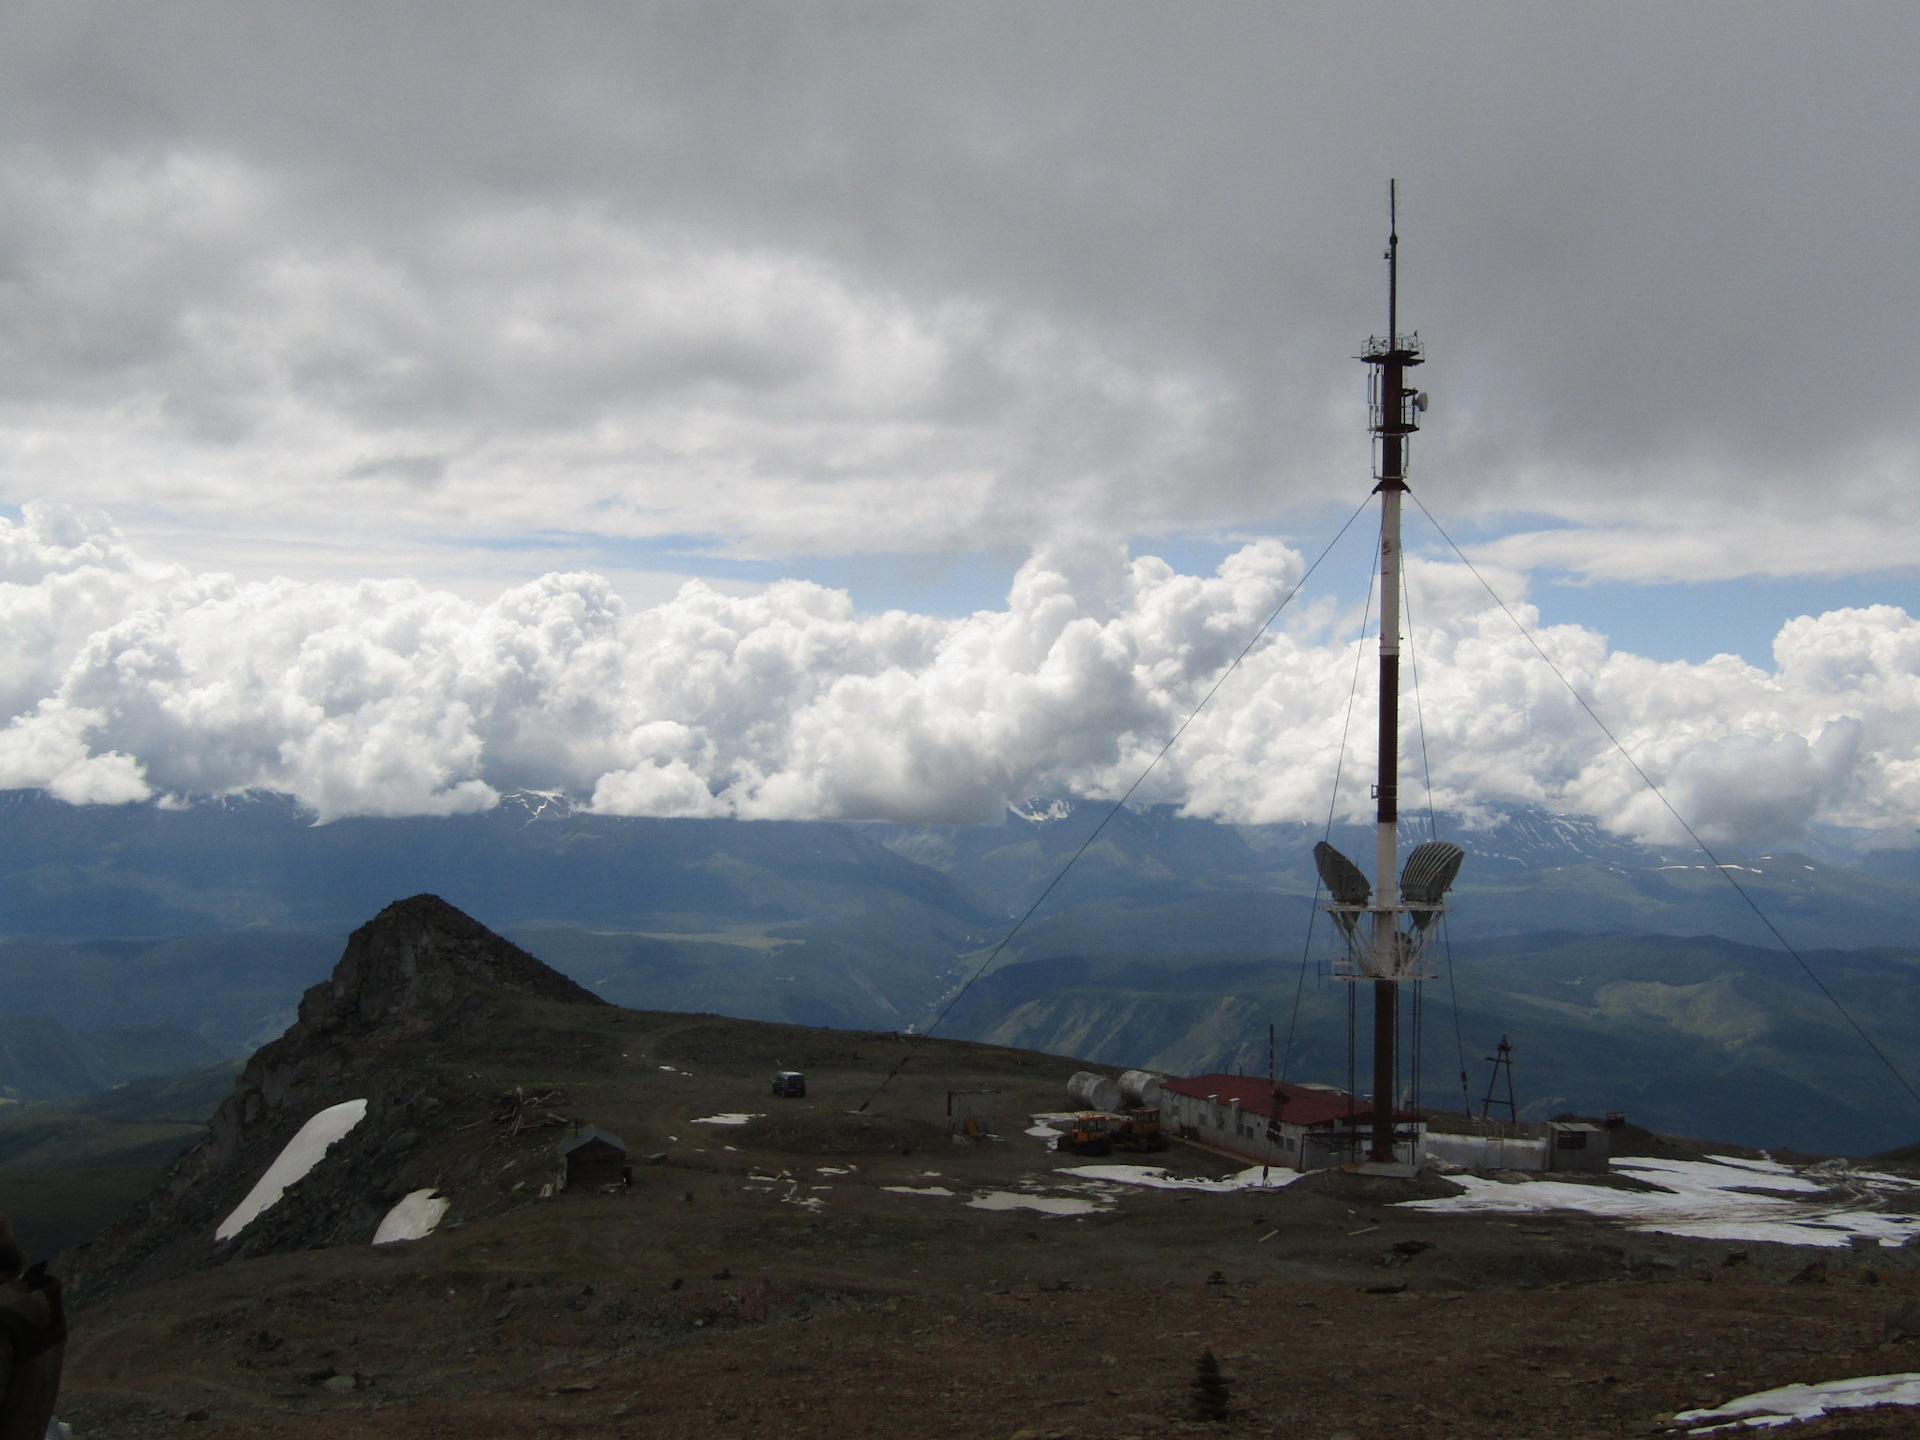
[127, 680]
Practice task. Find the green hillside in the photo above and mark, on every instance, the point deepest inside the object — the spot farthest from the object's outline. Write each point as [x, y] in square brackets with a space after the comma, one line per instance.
[40, 1059]
[1631, 979]
[1690, 1036]
[70, 1167]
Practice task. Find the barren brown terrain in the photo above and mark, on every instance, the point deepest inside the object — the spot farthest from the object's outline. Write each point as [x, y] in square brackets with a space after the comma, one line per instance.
[762, 1279]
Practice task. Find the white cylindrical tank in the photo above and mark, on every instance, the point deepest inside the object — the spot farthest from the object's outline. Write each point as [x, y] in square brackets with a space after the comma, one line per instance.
[1141, 1087]
[1093, 1092]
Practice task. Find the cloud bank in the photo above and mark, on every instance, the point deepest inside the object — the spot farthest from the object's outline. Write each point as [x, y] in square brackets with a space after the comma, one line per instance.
[125, 680]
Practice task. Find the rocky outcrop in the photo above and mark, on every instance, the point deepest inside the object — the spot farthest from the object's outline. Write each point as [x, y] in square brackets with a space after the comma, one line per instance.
[422, 995]
[417, 965]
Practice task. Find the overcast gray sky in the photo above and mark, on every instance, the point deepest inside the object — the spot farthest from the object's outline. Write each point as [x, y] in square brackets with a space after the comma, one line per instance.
[463, 293]
[818, 278]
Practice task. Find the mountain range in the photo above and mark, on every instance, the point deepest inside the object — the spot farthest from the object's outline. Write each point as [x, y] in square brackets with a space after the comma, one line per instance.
[1628, 977]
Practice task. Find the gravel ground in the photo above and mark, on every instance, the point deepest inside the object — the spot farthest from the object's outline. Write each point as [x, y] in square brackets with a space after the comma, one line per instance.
[828, 1270]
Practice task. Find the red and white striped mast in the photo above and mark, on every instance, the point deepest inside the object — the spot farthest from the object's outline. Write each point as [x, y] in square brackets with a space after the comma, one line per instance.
[1377, 947]
[1393, 422]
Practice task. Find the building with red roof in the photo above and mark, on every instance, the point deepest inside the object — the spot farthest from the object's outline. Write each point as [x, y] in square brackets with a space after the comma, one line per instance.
[1300, 1127]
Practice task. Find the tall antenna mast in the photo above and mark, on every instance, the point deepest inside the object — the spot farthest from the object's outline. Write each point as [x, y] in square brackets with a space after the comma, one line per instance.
[1377, 946]
[1393, 259]
[1392, 423]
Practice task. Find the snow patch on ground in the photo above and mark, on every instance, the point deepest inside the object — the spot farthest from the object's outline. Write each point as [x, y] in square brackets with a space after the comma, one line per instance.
[296, 1158]
[1089, 1189]
[1045, 1204]
[1157, 1178]
[731, 1117]
[1043, 1127]
[414, 1218]
[785, 1187]
[1803, 1402]
[1702, 1198]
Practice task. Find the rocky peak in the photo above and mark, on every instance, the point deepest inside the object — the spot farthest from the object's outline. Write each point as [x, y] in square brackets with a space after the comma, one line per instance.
[422, 995]
[410, 964]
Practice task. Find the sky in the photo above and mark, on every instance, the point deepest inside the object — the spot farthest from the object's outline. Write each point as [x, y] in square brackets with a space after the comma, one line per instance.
[375, 379]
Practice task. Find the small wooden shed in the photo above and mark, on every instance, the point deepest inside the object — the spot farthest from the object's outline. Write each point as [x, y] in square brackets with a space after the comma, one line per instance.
[1577, 1145]
[594, 1157]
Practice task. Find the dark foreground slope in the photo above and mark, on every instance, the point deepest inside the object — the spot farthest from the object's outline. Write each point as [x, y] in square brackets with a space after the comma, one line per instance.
[575, 1326]
[826, 1270]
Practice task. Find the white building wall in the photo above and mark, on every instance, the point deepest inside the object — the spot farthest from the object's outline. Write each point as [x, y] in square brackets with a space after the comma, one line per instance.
[1487, 1152]
[1227, 1127]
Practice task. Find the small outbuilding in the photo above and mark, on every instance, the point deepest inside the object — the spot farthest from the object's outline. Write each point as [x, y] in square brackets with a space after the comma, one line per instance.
[1577, 1145]
[594, 1157]
[1529, 1145]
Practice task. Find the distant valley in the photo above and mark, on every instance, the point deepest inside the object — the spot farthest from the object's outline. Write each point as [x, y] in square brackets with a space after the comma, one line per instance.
[1628, 978]
[41, 1059]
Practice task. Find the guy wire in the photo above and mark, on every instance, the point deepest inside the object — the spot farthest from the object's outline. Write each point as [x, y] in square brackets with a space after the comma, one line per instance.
[1333, 801]
[1433, 833]
[1246, 650]
[1661, 796]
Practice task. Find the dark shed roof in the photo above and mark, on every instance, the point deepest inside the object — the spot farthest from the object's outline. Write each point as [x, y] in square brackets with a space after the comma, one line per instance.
[587, 1135]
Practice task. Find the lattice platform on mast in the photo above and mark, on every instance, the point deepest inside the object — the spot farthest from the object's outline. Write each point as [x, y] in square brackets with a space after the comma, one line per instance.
[1354, 942]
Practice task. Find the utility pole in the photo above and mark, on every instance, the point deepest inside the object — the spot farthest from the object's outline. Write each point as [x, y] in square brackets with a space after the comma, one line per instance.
[1273, 1117]
[1502, 1062]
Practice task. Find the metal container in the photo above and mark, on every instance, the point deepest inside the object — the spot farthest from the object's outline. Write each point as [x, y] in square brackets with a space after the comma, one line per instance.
[1141, 1087]
[1093, 1092]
